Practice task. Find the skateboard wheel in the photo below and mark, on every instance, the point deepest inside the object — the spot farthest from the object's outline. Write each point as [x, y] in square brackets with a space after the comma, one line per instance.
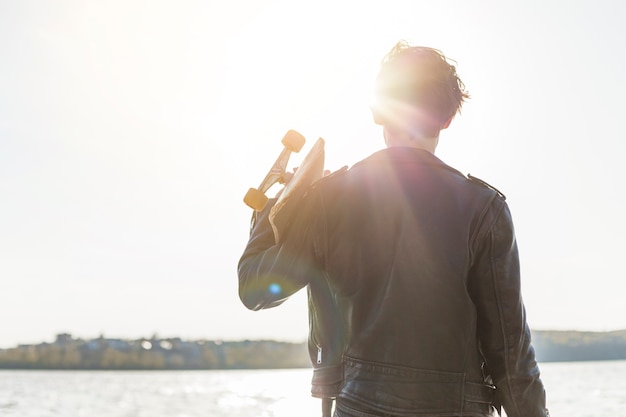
[293, 141]
[255, 199]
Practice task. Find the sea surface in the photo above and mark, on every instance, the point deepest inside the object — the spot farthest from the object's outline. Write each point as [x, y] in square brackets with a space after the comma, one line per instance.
[575, 389]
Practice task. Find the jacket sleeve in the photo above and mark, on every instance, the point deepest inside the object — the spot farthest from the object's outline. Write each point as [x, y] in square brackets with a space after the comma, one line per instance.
[269, 273]
[504, 336]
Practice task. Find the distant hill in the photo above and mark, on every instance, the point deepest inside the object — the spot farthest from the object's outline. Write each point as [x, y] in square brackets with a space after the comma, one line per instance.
[173, 353]
[154, 353]
[566, 346]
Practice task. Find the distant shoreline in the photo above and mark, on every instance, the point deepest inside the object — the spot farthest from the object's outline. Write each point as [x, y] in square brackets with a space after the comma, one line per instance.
[68, 353]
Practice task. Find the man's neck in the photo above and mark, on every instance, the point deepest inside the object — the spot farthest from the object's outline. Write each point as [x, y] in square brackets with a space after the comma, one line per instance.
[401, 139]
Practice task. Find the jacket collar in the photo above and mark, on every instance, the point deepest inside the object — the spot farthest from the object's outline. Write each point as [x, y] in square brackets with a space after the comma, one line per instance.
[399, 154]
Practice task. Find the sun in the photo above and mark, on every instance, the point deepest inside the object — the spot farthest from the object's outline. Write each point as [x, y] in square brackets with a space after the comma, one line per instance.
[272, 82]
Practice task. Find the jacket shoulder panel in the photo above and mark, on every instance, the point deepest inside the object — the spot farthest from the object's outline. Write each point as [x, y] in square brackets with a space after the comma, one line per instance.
[485, 184]
[330, 177]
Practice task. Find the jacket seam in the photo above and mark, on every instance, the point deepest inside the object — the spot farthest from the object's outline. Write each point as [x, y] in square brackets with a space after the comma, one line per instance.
[321, 240]
[473, 237]
[501, 318]
[474, 233]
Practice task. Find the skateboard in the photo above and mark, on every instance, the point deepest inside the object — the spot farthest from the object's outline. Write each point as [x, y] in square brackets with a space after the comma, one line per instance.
[255, 198]
[310, 170]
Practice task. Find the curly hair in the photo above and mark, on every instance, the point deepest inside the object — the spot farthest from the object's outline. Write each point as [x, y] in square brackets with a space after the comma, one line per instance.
[423, 79]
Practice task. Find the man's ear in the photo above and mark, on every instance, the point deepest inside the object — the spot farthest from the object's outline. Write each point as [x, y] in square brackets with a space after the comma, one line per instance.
[378, 119]
[447, 123]
[377, 116]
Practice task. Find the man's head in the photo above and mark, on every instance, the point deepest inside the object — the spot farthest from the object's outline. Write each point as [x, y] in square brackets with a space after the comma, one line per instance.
[417, 91]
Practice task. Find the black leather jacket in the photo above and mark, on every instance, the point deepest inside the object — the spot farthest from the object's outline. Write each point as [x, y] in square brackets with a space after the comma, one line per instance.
[414, 286]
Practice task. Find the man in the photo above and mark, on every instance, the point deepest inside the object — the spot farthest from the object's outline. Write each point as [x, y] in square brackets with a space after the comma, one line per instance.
[417, 265]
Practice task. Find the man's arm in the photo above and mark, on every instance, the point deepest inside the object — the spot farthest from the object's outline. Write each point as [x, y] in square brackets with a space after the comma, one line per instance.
[270, 273]
[504, 335]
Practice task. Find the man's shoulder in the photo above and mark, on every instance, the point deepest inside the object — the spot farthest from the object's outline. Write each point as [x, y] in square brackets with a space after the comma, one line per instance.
[332, 178]
[485, 185]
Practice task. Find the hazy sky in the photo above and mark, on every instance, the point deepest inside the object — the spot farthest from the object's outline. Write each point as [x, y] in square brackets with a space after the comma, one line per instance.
[130, 131]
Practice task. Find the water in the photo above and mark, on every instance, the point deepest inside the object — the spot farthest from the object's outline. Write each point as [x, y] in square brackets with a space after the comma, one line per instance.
[575, 389]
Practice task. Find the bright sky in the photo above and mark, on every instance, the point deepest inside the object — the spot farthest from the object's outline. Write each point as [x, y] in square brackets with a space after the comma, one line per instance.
[130, 131]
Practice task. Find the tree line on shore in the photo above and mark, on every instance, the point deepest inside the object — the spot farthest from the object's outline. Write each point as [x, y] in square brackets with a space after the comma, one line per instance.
[570, 346]
[154, 353]
[173, 353]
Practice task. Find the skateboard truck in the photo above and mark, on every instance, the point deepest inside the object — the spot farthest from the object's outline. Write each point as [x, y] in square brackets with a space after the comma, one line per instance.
[255, 198]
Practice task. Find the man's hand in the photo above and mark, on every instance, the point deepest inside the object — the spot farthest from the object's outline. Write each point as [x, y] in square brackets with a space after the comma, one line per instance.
[289, 175]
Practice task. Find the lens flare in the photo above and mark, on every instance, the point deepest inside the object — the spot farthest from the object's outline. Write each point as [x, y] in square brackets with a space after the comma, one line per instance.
[274, 288]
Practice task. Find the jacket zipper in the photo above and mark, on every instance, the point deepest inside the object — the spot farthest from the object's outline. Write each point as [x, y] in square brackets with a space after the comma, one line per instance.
[313, 334]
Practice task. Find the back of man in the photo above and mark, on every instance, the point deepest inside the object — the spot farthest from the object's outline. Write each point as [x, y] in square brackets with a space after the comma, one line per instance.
[422, 263]
[399, 239]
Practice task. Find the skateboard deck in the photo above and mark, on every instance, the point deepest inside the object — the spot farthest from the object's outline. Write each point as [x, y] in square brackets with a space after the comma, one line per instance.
[310, 170]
